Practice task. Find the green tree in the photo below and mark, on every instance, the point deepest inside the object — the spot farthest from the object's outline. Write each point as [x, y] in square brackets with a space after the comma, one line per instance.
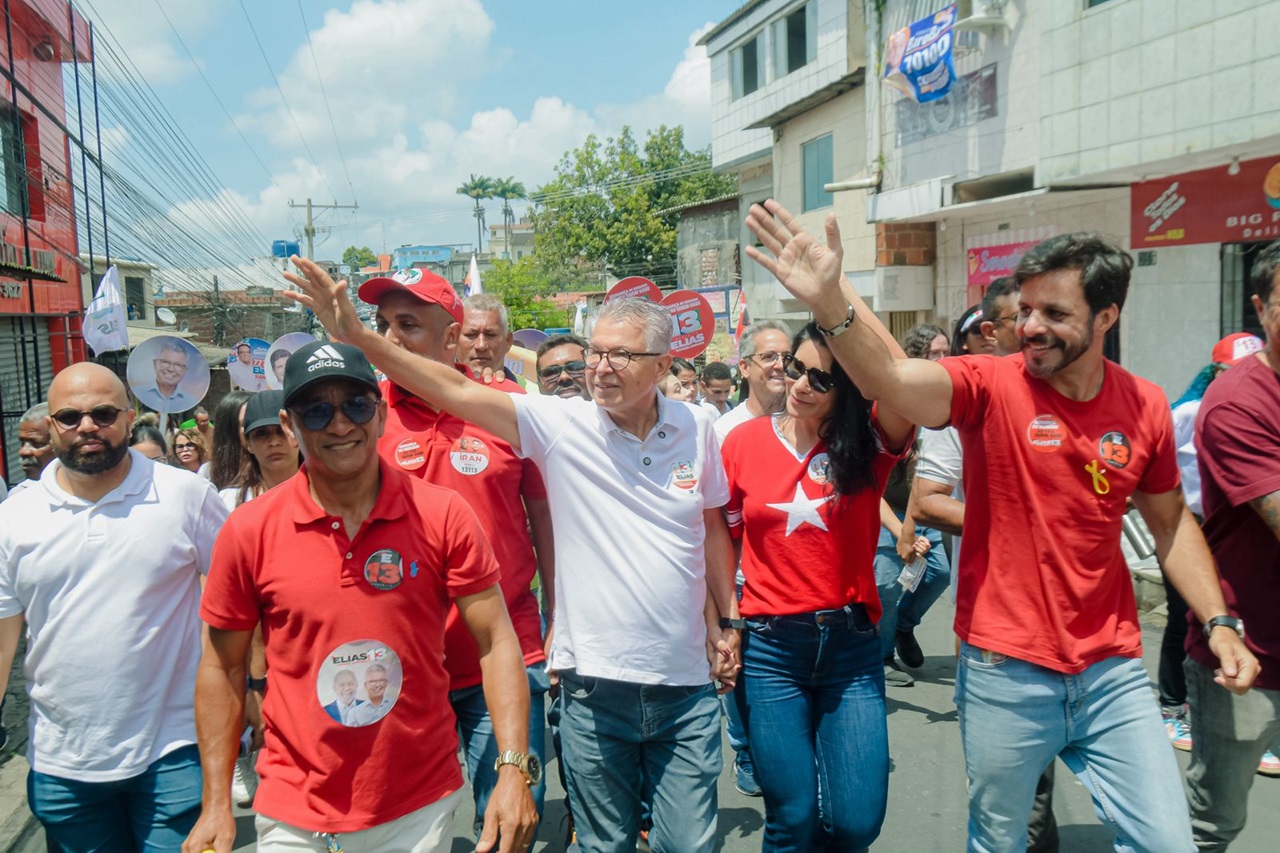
[526, 288]
[359, 258]
[508, 189]
[609, 205]
[477, 189]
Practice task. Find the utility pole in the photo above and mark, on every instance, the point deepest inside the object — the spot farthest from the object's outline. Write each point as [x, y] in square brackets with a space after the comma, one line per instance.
[310, 229]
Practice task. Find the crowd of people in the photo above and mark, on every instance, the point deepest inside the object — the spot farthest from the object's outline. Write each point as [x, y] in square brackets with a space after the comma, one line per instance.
[315, 598]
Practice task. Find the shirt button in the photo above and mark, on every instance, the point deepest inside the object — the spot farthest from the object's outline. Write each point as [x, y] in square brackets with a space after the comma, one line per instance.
[335, 525]
[661, 434]
[348, 555]
[647, 460]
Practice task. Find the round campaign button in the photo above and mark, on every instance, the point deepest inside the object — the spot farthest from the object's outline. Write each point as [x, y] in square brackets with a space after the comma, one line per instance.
[409, 455]
[469, 456]
[1046, 434]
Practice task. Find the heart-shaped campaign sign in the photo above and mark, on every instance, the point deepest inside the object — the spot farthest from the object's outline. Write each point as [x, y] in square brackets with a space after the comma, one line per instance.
[634, 287]
[692, 322]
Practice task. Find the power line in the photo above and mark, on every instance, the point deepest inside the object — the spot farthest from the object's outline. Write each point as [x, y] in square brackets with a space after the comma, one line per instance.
[332, 124]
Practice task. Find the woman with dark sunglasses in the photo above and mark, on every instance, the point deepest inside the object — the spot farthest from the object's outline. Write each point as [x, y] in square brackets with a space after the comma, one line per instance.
[190, 452]
[804, 510]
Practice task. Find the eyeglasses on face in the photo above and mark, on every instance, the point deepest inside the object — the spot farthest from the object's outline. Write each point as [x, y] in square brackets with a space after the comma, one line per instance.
[819, 380]
[1007, 318]
[552, 371]
[103, 416]
[179, 448]
[617, 357]
[172, 365]
[766, 359]
[316, 416]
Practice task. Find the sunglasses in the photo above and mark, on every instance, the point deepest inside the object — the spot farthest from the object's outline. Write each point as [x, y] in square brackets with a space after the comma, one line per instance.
[103, 416]
[316, 416]
[552, 372]
[178, 448]
[819, 380]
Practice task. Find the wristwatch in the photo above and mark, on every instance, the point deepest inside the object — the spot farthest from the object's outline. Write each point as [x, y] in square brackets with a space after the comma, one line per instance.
[840, 329]
[1231, 622]
[735, 624]
[529, 765]
[258, 684]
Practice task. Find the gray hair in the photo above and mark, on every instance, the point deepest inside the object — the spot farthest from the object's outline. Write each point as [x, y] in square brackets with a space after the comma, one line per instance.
[748, 346]
[371, 667]
[168, 346]
[651, 317]
[485, 303]
[36, 413]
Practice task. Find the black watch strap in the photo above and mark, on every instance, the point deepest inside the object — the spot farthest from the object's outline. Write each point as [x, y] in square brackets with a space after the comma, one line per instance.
[258, 684]
[1224, 622]
[736, 624]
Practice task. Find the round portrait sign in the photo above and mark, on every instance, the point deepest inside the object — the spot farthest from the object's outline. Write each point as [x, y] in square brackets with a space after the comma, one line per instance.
[168, 375]
[278, 354]
[246, 364]
[692, 322]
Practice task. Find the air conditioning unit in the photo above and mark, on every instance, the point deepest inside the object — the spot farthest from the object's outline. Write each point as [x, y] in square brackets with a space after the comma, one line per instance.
[987, 15]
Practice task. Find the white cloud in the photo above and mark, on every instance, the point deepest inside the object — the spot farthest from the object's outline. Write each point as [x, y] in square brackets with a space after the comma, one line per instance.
[141, 32]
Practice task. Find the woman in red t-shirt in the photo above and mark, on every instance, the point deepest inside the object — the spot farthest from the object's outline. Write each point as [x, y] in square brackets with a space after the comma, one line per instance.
[804, 501]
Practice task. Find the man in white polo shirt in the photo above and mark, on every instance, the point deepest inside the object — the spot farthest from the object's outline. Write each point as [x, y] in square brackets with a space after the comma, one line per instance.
[643, 564]
[103, 558]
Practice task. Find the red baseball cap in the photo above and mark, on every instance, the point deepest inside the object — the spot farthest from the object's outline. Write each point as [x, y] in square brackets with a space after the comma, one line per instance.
[423, 284]
[1232, 348]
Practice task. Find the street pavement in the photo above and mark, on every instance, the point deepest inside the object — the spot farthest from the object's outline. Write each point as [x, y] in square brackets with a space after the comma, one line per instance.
[927, 808]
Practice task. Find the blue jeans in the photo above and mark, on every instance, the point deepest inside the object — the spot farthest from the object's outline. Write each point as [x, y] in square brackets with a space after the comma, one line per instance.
[812, 694]
[626, 742]
[475, 733]
[1104, 723]
[151, 812]
[903, 610]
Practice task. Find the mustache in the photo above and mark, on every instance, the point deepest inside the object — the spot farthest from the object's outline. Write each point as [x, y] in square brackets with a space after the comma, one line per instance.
[1040, 340]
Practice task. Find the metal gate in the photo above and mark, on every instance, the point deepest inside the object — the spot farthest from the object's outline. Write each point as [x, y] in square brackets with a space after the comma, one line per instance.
[26, 369]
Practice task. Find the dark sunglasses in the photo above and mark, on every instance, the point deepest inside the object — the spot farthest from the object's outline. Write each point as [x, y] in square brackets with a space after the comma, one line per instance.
[103, 416]
[819, 380]
[178, 448]
[552, 372]
[316, 416]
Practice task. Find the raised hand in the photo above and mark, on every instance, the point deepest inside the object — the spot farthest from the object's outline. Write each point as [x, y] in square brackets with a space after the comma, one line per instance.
[326, 298]
[809, 270]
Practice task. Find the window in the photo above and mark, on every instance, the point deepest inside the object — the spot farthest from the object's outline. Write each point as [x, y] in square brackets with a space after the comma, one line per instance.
[135, 297]
[13, 175]
[746, 68]
[795, 40]
[818, 172]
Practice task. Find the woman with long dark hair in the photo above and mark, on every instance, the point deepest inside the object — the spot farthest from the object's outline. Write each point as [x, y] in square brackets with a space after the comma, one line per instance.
[228, 449]
[804, 510]
[149, 441]
[271, 455]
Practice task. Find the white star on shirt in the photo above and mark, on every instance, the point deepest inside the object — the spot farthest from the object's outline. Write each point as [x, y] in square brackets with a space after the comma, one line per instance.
[802, 510]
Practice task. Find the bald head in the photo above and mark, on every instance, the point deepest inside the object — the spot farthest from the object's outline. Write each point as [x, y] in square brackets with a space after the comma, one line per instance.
[89, 379]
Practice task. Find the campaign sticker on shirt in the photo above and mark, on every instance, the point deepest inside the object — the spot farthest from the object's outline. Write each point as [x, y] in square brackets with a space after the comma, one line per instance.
[409, 455]
[1046, 434]
[820, 468]
[384, 569]
[1115, 449]
[359, 682]
[469, 456]
[684, 476]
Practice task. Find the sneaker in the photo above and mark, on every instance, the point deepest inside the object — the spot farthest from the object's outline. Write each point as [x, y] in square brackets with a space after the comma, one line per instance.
[895, 677]
[1178, 728]
[1270, 764]
[244, 782]
[908, 649]
[744, 778]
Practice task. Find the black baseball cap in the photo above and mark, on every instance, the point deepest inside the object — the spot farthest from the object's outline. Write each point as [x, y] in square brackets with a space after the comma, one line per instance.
[322, 360]
[263, 409]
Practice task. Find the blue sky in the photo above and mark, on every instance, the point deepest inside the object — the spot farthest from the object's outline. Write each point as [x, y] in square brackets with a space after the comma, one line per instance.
[423, 92]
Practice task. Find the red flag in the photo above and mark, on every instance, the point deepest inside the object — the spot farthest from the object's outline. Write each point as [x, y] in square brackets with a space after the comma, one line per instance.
[742, 319]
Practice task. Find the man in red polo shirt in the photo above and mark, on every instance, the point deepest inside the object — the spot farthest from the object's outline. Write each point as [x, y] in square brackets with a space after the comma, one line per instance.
[352, 566]
[419, 312]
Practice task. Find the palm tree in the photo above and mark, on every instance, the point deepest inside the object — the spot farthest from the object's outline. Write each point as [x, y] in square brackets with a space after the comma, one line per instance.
[478, 188]
[508, 189]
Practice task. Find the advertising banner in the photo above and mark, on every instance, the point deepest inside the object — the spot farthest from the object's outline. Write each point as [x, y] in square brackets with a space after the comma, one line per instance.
[918, 60]
[1208, 206]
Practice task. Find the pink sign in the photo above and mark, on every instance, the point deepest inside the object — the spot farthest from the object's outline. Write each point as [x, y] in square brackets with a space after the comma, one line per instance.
[692, 322]
[988, 263]
[634, 287]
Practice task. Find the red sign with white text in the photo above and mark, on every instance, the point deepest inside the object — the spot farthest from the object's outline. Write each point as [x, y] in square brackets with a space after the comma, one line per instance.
[692, 322]
[988, 263]
[634, 287]
[1208, 206]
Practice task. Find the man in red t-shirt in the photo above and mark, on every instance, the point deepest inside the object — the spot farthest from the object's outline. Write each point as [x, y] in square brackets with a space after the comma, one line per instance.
[351, 567]
[1237, 440]
[422, 316]
[1056, 439]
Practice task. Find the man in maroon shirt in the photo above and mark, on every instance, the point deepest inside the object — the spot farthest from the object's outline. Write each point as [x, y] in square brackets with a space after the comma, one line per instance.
[1238, 448]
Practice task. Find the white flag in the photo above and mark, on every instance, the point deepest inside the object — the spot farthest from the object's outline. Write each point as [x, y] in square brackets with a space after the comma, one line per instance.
[105, 320]
[473, 278]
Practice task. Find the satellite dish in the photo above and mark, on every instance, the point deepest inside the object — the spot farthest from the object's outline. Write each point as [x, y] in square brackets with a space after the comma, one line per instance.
[166, 316]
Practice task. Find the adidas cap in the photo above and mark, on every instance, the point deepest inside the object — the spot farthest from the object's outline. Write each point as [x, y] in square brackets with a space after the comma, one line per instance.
[322, 360]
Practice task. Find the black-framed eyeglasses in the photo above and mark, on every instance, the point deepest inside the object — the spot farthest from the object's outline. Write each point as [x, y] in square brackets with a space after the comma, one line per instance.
[552, 371]
[765, 359]
[316, 416]
[178, 448]
[617, 357]
[819, 380]
[103, 416]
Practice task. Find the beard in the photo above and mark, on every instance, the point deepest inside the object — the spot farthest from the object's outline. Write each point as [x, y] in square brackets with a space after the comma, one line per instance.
[1070, 353]
[93, 463]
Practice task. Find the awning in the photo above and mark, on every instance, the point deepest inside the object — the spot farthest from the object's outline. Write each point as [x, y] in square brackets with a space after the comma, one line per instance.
[140, 334]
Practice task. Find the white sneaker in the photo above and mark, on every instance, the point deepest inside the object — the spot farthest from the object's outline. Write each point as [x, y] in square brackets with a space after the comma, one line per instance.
[244, 782]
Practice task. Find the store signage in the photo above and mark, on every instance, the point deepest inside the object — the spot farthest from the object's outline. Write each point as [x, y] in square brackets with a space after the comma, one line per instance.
[41, 259]
[1207, 206]
[989, 263]
[918, 59]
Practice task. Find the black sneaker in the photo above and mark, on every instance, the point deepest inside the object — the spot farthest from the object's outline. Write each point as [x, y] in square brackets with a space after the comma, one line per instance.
[909, 651]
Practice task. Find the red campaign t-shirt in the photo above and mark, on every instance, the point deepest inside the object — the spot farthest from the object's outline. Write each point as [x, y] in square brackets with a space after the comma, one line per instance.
[802, 550]
[448, 451]
[1042, 577]
[339, 617]
[1238, 449]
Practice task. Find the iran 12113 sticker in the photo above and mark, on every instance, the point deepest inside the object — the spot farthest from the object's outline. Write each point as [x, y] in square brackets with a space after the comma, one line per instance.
[469, 456]
[359, 682]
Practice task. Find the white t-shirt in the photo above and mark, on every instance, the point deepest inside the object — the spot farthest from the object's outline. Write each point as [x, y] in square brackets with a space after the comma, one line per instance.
[629, 536]
[111, 593]
[942, 461]
[730, 419]
[243, 376]
[1184, 435]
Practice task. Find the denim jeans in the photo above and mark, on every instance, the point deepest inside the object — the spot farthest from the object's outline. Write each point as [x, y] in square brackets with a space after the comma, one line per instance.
[1103, 723]
[903, 610]
[1231, 734]
[812, 695]
[625, 742]
[151, 812]
[475, 734]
